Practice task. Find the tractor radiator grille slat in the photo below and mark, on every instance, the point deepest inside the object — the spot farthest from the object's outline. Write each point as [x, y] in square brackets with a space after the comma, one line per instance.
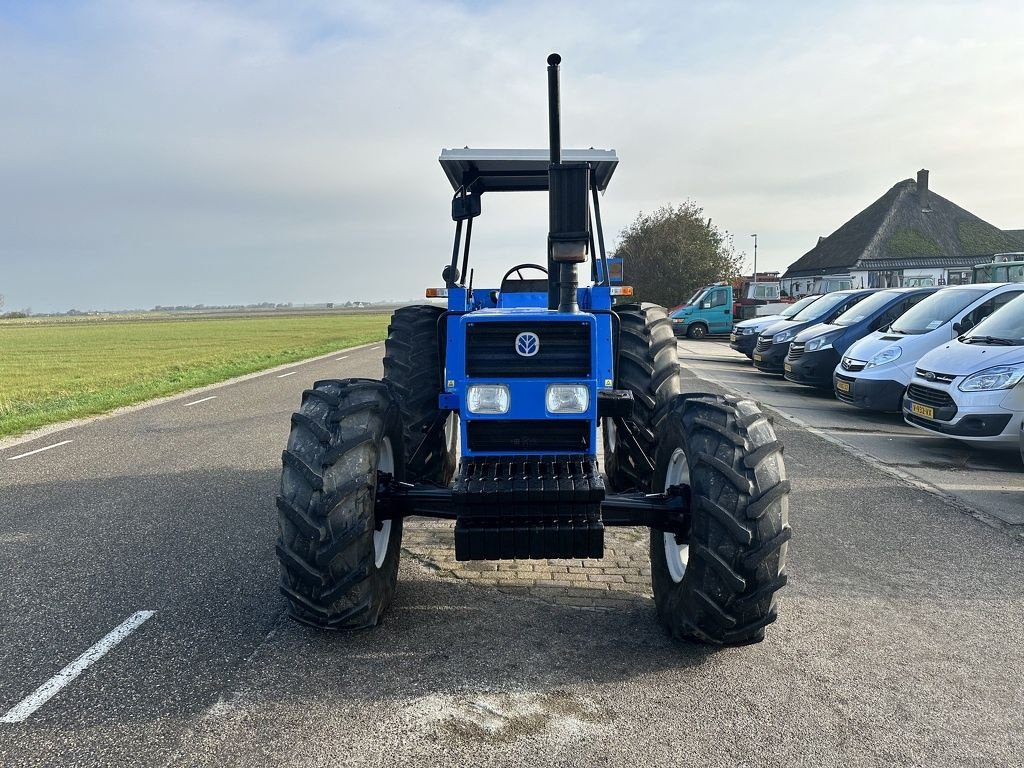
[533, 435]
[564, 350]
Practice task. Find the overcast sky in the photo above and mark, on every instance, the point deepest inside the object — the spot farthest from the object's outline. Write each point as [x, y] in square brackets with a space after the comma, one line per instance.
[182, 153]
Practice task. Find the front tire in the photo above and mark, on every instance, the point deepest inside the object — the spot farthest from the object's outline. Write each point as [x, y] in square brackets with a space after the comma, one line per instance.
[717, 585]
[339, 565]
[648, 366]
[412, 366]
[697, 331]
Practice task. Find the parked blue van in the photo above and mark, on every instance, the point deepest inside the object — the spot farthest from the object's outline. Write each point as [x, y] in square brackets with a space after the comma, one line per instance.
[773, 342]
[816, 351]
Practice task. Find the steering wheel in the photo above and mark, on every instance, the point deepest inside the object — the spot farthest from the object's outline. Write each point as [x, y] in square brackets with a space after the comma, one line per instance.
[519, 267]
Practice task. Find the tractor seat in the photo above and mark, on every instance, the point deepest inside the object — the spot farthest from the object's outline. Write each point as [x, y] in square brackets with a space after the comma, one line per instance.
[524, 286]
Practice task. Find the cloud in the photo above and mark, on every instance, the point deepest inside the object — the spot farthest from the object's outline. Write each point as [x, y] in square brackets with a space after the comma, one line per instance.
[180, 152]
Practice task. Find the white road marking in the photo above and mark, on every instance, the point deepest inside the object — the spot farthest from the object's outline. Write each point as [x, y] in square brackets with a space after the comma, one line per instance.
[38, 450]
[197, 402]
[339, 359]
[290, 373]
[21, 711]
[373, 348]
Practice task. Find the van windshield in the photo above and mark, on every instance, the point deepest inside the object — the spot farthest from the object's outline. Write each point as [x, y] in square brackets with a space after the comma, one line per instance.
[935, 311]
[869, 306]
[822, 306]
[1004, 326]
[693, 298]
[794, 309]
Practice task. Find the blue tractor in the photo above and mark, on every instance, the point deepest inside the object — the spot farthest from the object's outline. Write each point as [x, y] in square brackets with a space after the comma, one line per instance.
[523, 377]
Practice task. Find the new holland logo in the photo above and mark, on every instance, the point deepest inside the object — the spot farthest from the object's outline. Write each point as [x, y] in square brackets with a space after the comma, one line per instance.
[527, 344]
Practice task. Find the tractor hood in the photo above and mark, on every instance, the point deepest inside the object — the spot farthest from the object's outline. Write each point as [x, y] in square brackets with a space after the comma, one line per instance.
[962, 359]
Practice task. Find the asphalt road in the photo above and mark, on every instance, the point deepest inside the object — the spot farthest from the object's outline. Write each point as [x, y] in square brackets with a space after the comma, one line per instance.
[898, 641]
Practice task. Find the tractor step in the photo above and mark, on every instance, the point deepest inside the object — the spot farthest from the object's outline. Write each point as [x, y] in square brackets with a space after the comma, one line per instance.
[528, 507]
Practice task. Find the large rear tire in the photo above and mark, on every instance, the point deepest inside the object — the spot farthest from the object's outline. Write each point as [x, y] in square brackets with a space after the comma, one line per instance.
[717, 585]
[339, 565]
[648, 366]
[412, 366]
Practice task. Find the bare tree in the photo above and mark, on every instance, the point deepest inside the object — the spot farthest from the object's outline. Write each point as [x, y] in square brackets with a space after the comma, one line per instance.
[670, 253]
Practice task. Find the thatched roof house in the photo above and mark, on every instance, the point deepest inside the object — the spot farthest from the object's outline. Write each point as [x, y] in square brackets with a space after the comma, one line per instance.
[910, 234]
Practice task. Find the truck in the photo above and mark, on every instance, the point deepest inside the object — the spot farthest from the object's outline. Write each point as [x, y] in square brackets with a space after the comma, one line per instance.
[489, 415]
[713, 309]
[1004, 268]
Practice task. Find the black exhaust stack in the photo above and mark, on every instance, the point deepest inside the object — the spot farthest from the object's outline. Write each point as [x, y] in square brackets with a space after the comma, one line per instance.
[569, 211]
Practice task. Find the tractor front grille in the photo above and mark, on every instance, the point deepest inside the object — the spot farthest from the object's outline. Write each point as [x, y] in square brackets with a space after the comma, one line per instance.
[532, 435]
[564, 350]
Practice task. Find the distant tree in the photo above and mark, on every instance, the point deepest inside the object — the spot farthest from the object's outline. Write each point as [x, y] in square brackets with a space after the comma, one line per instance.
[671, 252]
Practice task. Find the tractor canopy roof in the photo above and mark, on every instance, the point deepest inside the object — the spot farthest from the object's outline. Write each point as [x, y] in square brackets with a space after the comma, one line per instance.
[515, 170]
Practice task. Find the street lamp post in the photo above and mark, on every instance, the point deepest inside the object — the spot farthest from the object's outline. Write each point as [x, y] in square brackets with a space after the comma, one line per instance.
[755, 258]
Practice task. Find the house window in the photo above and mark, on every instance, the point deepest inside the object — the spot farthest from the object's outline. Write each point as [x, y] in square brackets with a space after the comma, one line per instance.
[958, 278]
[885, 278]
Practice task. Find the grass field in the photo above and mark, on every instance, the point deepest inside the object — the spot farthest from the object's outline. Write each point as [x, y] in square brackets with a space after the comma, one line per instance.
[51, 372]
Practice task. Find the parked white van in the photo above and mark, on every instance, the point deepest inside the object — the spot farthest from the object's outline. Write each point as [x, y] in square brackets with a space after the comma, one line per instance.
[876, 371]
[970, 388]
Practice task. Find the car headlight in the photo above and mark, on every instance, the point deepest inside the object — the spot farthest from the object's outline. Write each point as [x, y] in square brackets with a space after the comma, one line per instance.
[781, 338]
[748, 331]
[567, 398]
[821, 342]
[999, 377]
[488, 398]
[885, 356]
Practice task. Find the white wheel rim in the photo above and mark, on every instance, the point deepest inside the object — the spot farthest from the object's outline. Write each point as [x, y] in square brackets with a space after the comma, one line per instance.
[382, 537]
[451, 434]
[676, 555]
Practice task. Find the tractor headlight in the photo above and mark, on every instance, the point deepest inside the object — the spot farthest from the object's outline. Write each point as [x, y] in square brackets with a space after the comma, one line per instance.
[1000, 377]
[567, 398]
[488, 398]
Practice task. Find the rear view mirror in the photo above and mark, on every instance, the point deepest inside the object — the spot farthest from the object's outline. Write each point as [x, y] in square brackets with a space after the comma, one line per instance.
[465, 207]
[957, 329]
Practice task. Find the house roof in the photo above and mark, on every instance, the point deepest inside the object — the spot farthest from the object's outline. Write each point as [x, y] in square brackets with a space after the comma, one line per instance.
[1016, 234]
[905, 227]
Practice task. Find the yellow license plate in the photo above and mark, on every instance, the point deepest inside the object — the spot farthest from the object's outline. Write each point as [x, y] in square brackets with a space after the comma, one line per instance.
[757, 357]
[787, 367]
[922, 410]
[732, 337]
[843, 386]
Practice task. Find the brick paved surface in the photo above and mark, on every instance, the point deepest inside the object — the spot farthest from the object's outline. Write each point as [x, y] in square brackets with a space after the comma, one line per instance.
[624, 574]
